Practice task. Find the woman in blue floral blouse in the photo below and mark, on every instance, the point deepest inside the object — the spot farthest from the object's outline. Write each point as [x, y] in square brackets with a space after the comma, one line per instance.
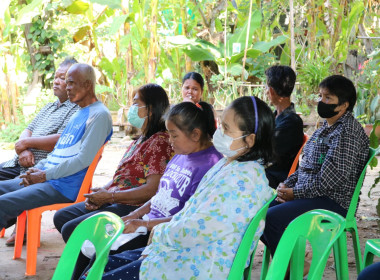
[200, 242]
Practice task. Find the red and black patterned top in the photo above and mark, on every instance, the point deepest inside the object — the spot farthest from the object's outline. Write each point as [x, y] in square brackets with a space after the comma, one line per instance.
[141, 160]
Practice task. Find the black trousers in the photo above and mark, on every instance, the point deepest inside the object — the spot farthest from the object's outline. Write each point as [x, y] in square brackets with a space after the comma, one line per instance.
[9, 173]
[280, 215]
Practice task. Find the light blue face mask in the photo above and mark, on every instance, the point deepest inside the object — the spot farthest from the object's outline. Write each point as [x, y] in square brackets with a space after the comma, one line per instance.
[133, 116]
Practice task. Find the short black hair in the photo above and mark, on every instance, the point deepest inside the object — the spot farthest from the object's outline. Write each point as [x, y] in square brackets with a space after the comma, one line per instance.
[157, 103]
[341, 87]
[245, 118]
[69, 60]
[282, 79]
[187, 116]
[196, 77]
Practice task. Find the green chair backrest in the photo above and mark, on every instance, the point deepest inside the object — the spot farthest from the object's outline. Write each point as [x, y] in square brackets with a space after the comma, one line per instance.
[354, 201]
[238, 266]
[321, 228]
[101, 229]
[372, 248]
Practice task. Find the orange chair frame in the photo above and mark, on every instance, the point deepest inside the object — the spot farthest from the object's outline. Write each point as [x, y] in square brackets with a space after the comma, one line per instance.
[296, 159]
[2, 233]
[34, 220]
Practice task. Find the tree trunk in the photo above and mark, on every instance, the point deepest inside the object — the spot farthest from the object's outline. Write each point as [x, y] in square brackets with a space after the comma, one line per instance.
[36, 77]
[15, 95]
[152, 60]
[183, 16]
[367, 42]
[292, 41]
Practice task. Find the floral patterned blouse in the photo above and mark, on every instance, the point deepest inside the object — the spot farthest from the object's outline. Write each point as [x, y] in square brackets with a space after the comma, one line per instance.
[201, 240]
[141, 160]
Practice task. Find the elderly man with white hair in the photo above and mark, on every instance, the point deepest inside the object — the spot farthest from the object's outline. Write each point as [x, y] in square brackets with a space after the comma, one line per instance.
[58, 178]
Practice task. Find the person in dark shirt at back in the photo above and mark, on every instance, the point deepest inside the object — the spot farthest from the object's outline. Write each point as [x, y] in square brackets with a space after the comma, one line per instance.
[288, 132]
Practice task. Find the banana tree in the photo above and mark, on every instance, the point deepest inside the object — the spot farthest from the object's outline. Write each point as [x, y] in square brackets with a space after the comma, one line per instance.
[9, 92]
[223, 54]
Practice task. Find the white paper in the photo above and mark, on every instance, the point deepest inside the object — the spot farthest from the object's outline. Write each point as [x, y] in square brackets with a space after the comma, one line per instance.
[88, 249]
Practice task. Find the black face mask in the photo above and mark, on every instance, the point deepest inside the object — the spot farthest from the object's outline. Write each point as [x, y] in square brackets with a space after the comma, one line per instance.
[326, 110]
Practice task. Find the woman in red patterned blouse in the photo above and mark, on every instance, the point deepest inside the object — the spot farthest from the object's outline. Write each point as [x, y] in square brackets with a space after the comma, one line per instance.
[138, 174]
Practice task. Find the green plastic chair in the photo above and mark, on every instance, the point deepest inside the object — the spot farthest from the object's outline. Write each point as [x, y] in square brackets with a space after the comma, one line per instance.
[102, 229]
[372, 248]
[351, 226]
[322, 229]
[238, 269]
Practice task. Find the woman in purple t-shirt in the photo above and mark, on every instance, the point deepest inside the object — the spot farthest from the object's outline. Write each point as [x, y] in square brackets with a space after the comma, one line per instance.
[191, 127]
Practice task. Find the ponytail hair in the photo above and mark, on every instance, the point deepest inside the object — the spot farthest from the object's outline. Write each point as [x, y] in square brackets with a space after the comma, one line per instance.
[244, 109]
[188, 116]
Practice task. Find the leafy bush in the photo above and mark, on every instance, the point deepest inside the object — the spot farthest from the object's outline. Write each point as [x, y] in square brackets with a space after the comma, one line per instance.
[12, 132]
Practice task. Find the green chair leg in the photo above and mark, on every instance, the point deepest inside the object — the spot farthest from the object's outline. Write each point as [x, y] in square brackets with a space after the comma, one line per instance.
[356, 245]
[265, 265]
[298, 259]
[340, 257]
[351, 225]
[372, 247]
[322, 229]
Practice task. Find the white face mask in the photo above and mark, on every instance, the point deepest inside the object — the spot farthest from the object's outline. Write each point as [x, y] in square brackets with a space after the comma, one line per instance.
[222, 143]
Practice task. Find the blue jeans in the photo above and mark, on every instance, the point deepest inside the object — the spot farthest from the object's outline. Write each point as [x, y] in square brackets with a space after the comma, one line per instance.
[280, 215]
[14, 199]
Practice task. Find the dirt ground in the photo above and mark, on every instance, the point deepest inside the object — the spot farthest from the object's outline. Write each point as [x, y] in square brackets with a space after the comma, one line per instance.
[52, 244]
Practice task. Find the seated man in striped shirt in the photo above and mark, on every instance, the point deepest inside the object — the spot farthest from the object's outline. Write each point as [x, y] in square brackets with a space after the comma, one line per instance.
[58, 178]
[41, 135]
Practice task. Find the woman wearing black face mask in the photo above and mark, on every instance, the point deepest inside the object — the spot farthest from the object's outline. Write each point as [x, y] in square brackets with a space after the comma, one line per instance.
[333, 159]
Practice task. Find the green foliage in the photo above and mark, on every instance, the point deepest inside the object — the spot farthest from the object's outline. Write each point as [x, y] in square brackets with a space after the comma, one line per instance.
[227, 90]
[28, 12]
[346, 36]
[310, 75]
[48, 43]
[367, 107]
[313, 71]
[107, 33]
[43, 98]
[374, 143]
[12, 131]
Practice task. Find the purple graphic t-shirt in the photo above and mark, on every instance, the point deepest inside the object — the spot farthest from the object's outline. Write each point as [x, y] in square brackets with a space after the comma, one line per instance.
[180, 180]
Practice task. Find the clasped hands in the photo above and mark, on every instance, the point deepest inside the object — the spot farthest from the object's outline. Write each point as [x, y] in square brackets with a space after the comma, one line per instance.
[284, 193]
[33, 176]
[25, 157]
[97, 198]
[132, 223]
